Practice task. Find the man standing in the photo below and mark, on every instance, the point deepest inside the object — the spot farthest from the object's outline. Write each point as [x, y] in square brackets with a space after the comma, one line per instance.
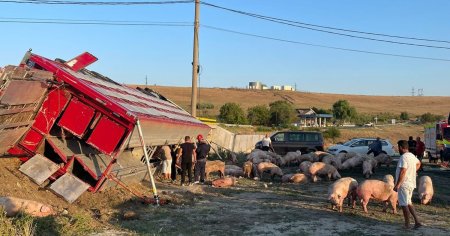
[375, 147]
[167, 162]
[405, 179]
[420, 150]
[412, 145]
[202, 151]
[188, 156]
[266, 143]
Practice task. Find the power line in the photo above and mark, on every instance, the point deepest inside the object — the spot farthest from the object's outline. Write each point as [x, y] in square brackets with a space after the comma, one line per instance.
[97, 3]
[324, 46]
[90, 22]
[296, 24]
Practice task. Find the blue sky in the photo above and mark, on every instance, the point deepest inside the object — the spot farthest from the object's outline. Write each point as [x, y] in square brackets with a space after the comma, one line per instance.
[128, 53]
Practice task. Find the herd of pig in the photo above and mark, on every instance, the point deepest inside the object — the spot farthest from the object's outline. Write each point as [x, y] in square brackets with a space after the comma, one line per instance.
[321, 164]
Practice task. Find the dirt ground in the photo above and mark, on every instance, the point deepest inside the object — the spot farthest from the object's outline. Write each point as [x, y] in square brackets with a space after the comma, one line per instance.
[249, 208]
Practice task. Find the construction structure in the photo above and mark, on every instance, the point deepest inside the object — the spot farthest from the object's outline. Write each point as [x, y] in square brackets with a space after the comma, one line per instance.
[81, 130]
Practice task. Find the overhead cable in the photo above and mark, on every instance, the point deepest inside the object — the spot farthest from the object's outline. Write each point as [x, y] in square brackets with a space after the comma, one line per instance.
[300, 25]
[97, 3]
[323, 46]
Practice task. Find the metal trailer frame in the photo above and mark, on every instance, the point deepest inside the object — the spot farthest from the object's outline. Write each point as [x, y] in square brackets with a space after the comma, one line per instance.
[93, 127]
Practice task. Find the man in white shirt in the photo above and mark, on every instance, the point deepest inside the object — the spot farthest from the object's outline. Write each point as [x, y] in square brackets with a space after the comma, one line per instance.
[267, 143]
[405, 179]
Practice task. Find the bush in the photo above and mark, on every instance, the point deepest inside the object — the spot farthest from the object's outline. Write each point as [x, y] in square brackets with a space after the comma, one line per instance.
[202, 106]
[232, 113]
[404, 115]
[430, 118]
[281, 113]
[332, 133]
[258, 115]
[343, 111]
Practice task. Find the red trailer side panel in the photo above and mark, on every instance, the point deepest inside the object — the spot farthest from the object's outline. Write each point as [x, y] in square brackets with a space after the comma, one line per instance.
[50, 110]
[31, 140]
[106, 135]
[76, 117]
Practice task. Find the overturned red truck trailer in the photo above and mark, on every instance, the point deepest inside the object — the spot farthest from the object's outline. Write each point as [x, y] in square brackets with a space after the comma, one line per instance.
[81, 130]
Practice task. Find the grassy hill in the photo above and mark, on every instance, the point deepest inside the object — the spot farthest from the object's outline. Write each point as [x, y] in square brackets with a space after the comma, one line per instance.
[363, 104]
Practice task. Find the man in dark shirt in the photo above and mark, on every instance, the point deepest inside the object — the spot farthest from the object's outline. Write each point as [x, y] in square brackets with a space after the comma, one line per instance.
[412, 145]
[375, 147]
[188, 156]
[203, 149]
[420, 150]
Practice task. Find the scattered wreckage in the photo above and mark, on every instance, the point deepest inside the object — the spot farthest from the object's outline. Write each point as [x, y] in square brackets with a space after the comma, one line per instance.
[81, 130]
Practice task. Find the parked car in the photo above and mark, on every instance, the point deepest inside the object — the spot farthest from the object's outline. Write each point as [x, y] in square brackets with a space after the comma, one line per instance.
[361, 145]
[291, 141]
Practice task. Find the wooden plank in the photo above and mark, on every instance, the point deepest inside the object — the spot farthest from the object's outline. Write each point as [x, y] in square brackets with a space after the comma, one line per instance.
[69, 187]
[12, 125]
[15, 110]
[39, 168]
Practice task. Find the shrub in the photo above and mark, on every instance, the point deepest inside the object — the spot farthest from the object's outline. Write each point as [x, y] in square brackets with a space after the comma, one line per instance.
[258, 115]
[281, 113]
[332, 133]
[232, 113]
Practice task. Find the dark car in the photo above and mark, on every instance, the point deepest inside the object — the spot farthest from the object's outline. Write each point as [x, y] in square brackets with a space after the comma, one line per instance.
[291, 141]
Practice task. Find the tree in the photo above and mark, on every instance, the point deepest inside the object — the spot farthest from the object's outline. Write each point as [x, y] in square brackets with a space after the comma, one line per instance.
[258, 115]
[343, 111]
[321, 111]
[430, 118]
[281, 113]
[332, 133]
[232, 113]
[404, 115]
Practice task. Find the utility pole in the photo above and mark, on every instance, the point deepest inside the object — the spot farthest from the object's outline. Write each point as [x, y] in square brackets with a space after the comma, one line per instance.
[146, 81]
[195, 60]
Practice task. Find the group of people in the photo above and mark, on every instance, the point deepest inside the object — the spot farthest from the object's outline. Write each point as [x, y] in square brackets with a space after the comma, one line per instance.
[187, 156]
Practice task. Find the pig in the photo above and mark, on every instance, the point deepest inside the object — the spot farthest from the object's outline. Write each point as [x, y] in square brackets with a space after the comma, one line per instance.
[377, 190]
[369, 165]
[383, 158]
[320, 168]
[389, 179]
[234, 172]
[294, 178]
[341, 189]
[248, 166]
[291, 157]
[213, 166]
[306, 157]
[332, 160]
[12, 206]
[234, 167]
[224, 182]
[425, 190]
[269, 167]
[299, 178]
[286, 178]
[304, 167]
[352, 162]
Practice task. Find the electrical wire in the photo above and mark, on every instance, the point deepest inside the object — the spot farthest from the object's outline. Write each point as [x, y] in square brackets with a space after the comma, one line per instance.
[296, 24]
[97, 3]
[324, 46]
[91, 22]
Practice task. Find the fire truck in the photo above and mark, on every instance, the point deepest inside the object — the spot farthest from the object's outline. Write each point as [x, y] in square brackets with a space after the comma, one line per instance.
[437, 140]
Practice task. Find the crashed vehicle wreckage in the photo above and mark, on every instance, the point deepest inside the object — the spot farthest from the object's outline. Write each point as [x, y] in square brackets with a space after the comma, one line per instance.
[82, 131]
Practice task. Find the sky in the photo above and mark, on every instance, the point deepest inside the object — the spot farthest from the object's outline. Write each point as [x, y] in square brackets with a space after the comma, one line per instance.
[129, 53]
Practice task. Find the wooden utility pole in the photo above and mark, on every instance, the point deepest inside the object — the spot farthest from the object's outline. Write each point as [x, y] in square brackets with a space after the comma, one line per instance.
[195, 60]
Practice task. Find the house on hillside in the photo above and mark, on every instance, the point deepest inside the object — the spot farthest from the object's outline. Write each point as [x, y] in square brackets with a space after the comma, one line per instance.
[309, 118]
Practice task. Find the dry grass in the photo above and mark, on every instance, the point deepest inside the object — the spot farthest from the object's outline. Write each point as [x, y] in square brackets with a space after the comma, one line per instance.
[363, 104]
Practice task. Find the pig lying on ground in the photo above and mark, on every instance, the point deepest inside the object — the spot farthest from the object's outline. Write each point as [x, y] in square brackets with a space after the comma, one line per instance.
[304, 167]
[248, 166]
[224, 182]
[340, 189]
[294, 178]
[234, 167]
[269, 167]
[12, 206]
[322, 169]
[234, 172]
[213, 166]
[377, 190]
[425, 190]
[369, 165]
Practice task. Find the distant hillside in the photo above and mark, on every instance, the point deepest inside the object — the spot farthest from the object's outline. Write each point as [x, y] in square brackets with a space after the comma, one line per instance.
[362, 103]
